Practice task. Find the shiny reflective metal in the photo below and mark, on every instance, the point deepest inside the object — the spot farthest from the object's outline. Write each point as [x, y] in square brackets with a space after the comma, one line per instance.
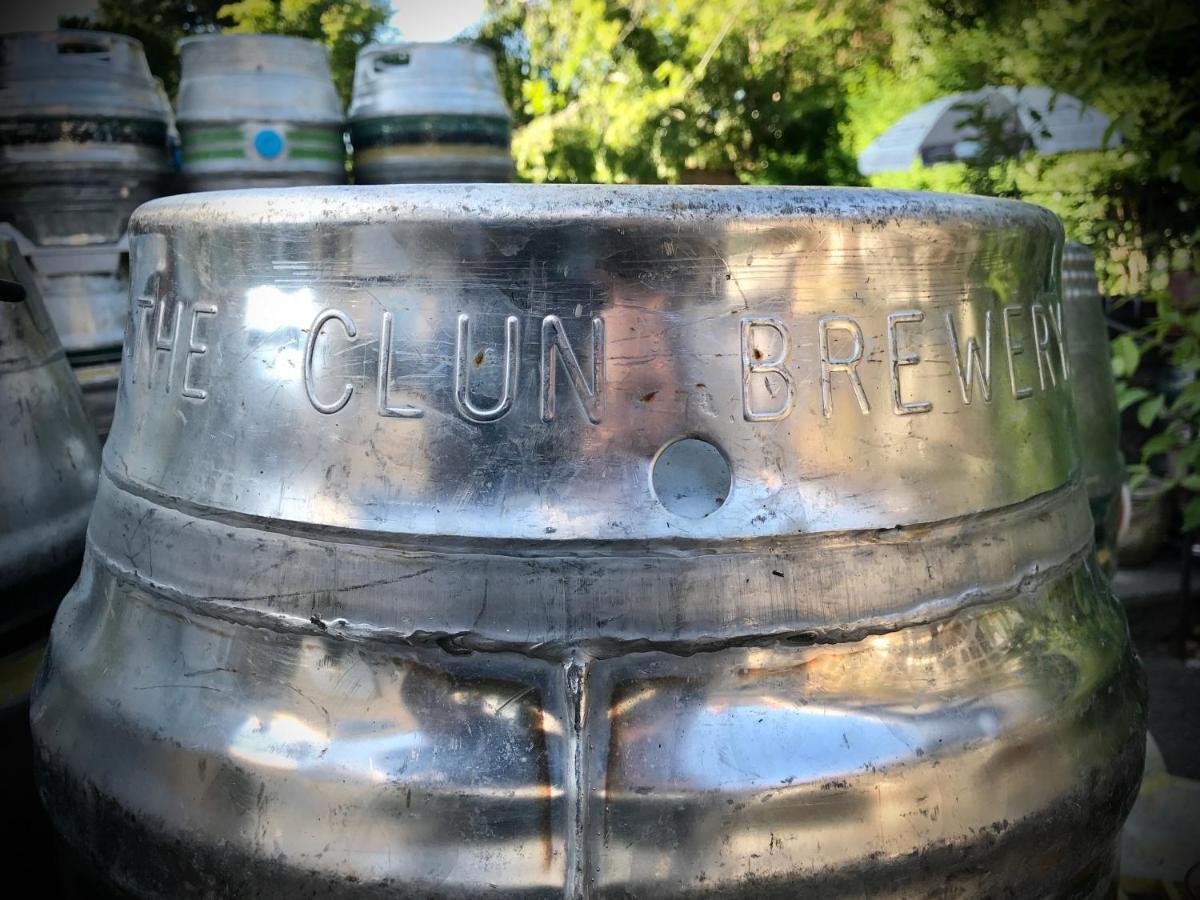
[83, 135]
[51, 459]
[1095, 395]
[258, 110]
[593, 542]
[86, 291]
[428, 113]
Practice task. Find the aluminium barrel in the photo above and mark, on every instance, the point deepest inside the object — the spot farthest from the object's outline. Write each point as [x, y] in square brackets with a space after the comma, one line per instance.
[425, 112]
[1095, 395]
[258, 110]
[51, 457]
[561, 541]
[83, 135]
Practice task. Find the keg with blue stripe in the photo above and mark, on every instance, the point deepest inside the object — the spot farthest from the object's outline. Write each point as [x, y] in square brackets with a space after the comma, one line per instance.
[258, 111]
[428, 113]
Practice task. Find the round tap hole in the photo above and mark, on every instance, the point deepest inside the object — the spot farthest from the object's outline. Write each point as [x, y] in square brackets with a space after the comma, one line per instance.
[691, 478]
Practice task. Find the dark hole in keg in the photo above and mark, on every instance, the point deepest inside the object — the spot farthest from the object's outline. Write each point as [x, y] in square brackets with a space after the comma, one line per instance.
[11, 291]
[388, 60]
[691, 478]
[81, 48]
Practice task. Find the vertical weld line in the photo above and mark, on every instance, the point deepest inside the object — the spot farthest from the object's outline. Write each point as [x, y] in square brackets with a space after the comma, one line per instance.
[576, 672]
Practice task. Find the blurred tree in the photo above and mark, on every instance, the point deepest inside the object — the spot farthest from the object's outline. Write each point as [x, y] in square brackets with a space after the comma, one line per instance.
[679, 90]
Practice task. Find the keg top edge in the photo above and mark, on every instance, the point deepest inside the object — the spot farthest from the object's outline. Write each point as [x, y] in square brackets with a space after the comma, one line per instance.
[595, 203]
[53, 33]
[393, 46]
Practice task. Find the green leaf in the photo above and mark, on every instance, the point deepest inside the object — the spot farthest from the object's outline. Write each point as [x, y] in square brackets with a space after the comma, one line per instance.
[1159, 444]
[1127, 396]
[1192, 482]
[1191, 515]
[1125, 356]
[1149, 410]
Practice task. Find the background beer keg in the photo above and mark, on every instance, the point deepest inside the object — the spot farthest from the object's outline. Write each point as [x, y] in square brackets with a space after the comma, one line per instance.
[50, 455]
[593, 541]
[258, 111]
[83, 135]
[428, 112]
[83, 142]
[47, 484]
[1095, 394]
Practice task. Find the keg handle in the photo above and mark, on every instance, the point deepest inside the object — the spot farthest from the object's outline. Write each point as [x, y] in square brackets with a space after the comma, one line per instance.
[73, 45]
[391, 61]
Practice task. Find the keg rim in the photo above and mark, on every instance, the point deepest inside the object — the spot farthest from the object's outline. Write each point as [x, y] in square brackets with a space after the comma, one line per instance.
[229, 37]
[389, 46]
[593, 204]
[47, 33]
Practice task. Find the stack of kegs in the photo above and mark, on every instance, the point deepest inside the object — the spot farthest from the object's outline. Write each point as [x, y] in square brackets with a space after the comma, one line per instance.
[258, 111]
[83, 142]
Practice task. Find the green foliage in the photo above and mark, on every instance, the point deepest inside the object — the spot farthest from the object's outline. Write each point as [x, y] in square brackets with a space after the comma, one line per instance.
[676, 90]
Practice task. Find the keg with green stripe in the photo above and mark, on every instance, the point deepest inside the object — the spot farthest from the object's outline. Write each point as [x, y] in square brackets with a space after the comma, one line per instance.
[258, 111]
[428, 113]
[83, 135]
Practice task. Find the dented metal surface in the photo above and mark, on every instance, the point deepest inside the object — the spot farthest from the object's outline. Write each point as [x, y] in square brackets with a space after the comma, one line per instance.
[258, 110]
[51, 460]
[593, 542]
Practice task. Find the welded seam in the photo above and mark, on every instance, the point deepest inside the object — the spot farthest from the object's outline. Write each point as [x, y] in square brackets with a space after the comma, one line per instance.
[597, 548]
[465, 642]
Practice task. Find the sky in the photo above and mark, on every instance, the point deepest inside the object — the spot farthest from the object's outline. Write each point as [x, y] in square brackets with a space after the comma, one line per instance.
[440, 20]
[413, 20]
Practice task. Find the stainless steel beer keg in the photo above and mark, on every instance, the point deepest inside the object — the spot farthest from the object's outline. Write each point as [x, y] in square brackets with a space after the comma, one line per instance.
[51, 458]
[1095, 395]
[258, 111]
[86, 291]
[83, 135]
[428, 112]
[593, 541]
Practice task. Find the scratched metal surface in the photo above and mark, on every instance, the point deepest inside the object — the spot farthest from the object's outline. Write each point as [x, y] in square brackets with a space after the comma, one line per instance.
[50, 457]
[593, 542]
[237, 91]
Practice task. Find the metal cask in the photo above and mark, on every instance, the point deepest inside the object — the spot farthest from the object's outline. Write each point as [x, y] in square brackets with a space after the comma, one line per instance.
[1095, 395]
[83, 142]
[83, 135]
[593, 541]
[51, 458]
[258, 111]
[428, 113]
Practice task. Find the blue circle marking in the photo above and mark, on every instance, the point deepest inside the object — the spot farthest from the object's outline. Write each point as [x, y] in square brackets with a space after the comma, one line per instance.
[268, 143]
